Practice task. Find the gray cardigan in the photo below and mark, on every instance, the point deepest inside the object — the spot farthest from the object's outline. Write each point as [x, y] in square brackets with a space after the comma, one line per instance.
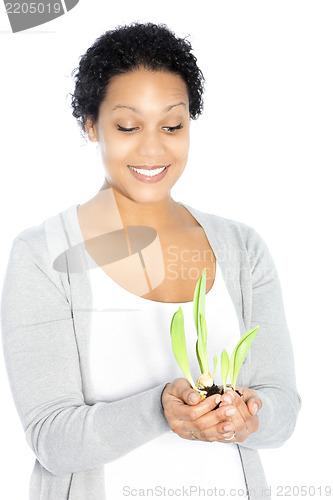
[45, 331]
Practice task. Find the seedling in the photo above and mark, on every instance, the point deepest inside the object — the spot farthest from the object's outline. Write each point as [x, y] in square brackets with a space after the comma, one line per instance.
[205, 382]
[238, 355]
[224, 368]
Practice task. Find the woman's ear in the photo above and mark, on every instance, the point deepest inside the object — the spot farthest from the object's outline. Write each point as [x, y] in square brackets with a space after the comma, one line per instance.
[91, 130]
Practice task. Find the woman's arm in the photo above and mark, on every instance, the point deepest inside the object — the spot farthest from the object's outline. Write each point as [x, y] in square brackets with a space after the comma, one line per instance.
[43, 368]
[271, 361]
[269, 370]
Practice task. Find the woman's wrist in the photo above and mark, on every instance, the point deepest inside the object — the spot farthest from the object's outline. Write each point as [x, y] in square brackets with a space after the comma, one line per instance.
[162, 394]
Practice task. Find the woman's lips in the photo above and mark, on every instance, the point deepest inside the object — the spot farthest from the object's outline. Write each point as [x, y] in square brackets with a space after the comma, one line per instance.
[148, 167]
[143, 177]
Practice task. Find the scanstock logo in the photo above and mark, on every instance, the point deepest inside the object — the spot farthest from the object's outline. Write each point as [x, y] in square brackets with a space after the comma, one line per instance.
[25, 15]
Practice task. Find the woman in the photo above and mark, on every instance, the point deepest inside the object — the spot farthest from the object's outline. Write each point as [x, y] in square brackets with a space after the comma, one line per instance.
[89, 295]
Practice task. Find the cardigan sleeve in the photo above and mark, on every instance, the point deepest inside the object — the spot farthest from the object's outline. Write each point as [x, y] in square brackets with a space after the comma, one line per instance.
[272, 371]
[43, 368]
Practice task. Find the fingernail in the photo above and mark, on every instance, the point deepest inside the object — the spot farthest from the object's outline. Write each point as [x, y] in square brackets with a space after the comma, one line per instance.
[192, 398]
[230, 412]
[255, 408]
[230, 393]
[218, 399]
[227, 428]
[226, 400]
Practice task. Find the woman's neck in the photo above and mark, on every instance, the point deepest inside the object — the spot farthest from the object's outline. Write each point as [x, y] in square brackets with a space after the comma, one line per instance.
[163, 215]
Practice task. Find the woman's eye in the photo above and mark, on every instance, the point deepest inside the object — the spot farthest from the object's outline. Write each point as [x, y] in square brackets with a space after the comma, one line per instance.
[169, 129]
[123, 129]
[172, 129]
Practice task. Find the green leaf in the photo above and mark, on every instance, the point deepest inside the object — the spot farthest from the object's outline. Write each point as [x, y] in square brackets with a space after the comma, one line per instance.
[199, 298]
[202, 344]
[198, 309]
[224, 368]
[178, 343]
[239, 353]
[215, 364]
[198, 357]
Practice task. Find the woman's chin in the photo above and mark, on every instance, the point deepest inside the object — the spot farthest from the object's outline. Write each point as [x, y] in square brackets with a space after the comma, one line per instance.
[142, 194]
[148, 195]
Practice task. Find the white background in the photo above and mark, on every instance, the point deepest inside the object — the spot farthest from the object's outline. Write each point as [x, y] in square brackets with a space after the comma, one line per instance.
[261, 153]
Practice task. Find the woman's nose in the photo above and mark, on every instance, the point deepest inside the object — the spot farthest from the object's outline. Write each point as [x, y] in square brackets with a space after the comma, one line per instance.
[151, 145]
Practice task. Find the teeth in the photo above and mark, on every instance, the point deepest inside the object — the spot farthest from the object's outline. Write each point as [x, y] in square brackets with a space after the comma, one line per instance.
[148, 173]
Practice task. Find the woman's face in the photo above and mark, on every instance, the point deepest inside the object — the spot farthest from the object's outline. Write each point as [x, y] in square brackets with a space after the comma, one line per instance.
[143, 122]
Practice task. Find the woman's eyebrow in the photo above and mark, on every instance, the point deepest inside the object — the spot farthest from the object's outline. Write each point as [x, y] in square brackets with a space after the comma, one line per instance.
[168, 108]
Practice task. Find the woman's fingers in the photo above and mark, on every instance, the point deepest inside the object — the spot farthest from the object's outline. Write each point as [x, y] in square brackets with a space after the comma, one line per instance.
[237, 425]
[184, 391]
[228, 431]
[222, 414]
[246, 422]
[175, 399]
[254, 404]
[192, 413]
[251, 399]
[180, 390]
[234, 419]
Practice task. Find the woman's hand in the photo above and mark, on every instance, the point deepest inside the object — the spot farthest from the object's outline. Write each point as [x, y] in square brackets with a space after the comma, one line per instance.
[185, 413]
[245, 420]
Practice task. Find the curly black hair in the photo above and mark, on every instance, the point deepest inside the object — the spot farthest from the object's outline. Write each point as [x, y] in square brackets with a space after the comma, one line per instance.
[127, 48]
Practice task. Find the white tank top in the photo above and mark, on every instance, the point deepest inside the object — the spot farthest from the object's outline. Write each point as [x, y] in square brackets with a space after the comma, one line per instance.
[130, 352]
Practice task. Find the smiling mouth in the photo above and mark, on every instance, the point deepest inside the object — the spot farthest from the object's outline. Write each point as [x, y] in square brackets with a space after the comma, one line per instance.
[149, 171]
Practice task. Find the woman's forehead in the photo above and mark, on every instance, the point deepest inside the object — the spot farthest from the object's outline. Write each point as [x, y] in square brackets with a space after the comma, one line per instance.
[138, 89]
